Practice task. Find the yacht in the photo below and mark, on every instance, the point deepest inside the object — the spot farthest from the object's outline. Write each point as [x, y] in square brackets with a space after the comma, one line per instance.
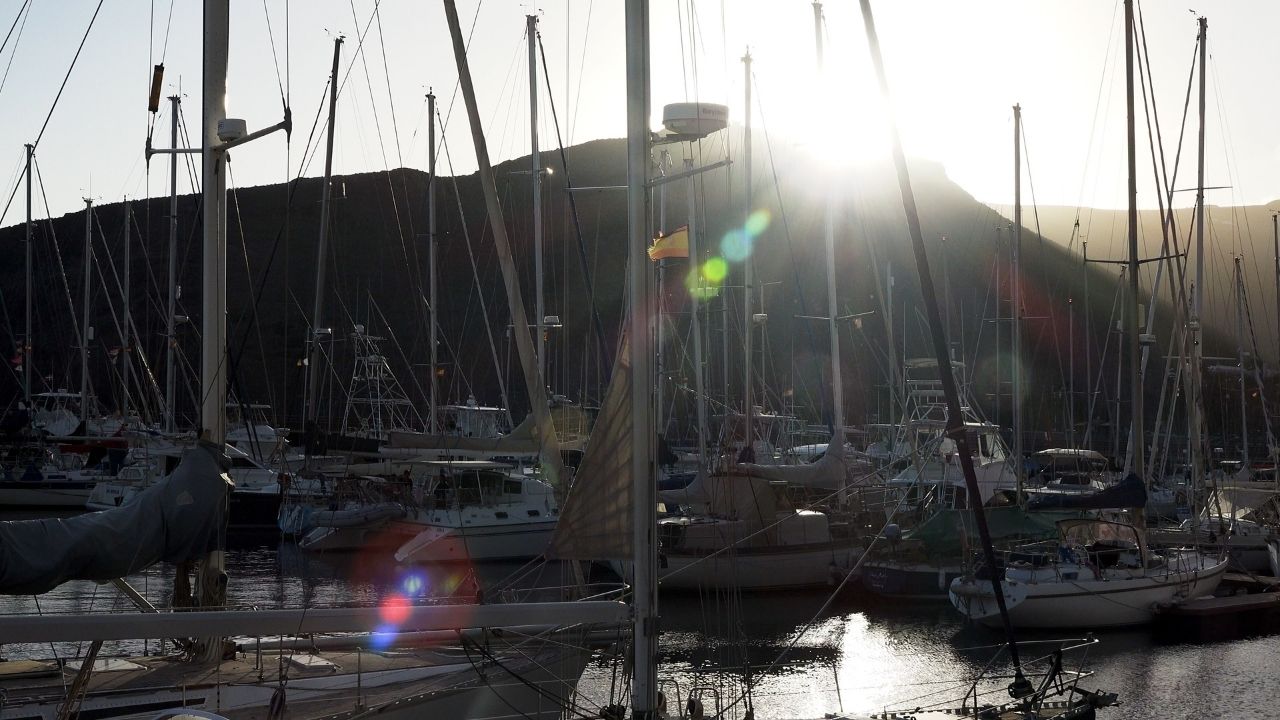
[1099, 574]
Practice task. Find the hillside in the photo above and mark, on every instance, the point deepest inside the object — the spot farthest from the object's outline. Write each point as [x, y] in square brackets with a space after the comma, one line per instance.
[377, 265]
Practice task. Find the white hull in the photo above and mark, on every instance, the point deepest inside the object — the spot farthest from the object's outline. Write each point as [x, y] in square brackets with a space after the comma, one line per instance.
[1084, 604]
[757, 569]
[448, 543]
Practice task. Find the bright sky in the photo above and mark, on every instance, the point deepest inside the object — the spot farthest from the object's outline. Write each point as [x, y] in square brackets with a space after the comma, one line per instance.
[955, 69]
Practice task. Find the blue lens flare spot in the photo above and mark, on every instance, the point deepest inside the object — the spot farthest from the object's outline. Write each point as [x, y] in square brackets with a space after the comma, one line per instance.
[413, 584]
[382, 637]
[757, 222]
[735, 246]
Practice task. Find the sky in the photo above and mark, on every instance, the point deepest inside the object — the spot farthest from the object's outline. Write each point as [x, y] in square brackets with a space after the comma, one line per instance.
[955, 70]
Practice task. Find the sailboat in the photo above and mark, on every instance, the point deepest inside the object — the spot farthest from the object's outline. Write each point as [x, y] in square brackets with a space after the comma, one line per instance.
[407, 660]
[1100, 573]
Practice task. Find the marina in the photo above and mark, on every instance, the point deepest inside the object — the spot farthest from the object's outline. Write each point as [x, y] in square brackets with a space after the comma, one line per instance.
[760, 395]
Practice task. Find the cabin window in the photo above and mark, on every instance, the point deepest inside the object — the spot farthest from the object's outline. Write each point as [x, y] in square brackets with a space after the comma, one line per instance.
[512, 487]
[500, 515]
[534, 513]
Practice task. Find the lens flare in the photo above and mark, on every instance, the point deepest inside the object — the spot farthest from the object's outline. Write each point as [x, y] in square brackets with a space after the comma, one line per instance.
[715, 270]
[735, 246]
[414, 584]
[395, 609]
[757, 222]
[382, 636]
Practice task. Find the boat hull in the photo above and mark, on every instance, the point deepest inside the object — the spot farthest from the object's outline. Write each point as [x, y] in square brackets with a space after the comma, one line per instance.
[1084, 604]
[909, 581]
[447, 543]
[759, 569]
[19, 493]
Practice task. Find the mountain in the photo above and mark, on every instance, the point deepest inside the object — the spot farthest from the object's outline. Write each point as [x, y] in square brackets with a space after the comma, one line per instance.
[378, 264]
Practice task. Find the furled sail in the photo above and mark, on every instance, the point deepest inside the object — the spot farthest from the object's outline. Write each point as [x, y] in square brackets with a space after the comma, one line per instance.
[176, 520]
[596, 519]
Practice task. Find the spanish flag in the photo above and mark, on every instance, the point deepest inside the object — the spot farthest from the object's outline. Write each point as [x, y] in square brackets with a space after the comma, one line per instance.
[675, 245]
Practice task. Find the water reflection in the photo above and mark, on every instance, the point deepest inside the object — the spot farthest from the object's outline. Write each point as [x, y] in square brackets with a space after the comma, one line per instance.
[860, 656]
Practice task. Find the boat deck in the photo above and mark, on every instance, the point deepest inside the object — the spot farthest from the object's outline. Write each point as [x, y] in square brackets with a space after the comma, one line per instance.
[325, 684]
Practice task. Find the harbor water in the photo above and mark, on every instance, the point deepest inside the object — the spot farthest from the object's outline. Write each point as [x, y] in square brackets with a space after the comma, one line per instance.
[806, 654]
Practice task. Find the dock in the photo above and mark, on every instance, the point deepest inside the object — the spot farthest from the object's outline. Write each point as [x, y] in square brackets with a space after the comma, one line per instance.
[1214, 619]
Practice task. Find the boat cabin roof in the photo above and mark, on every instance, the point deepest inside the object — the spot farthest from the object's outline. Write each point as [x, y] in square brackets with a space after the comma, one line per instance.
[1070, 453]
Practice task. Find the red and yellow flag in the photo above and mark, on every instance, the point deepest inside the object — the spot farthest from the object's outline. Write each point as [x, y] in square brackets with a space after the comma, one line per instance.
[675, 245]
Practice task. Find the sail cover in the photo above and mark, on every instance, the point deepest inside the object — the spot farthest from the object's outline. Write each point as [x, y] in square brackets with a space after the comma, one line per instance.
[1128, 493]
[178, 519]
[596, 520]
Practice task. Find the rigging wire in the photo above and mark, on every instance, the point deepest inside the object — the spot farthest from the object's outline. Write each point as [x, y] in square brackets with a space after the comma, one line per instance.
[4, 80]
[56, 98]
[597, 324]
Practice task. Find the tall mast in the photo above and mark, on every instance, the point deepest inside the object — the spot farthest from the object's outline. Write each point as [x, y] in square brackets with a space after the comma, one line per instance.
[322, 255]
[535, 170]
[171, 338]
[829, 235]
[213, 351]
[84, 310]
[127, 347]
[211, 580]
[1131, 308]
[1195, 404]
[699, 387]
[433, 424]
[28, 347]
[644, 686]
[955, 429]
[1088, 342]
[1244, 398]
[748, 320]
[1016, 287]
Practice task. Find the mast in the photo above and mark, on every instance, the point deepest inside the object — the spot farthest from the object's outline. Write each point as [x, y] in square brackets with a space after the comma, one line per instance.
[552, 467]
[211, 579]
[829, 236]
[28, 347]
[1016, 283]
[84, 322]
[1020, 687]
[171, 338]
[644, 686]
[1131, 308]
[1088, 342]
[699, 387]
[322, 254]
[126, 348]
[535, 170]
[1195, 404]
[659, 310]
[748, 320]
[433, 424]
[1244, 398]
